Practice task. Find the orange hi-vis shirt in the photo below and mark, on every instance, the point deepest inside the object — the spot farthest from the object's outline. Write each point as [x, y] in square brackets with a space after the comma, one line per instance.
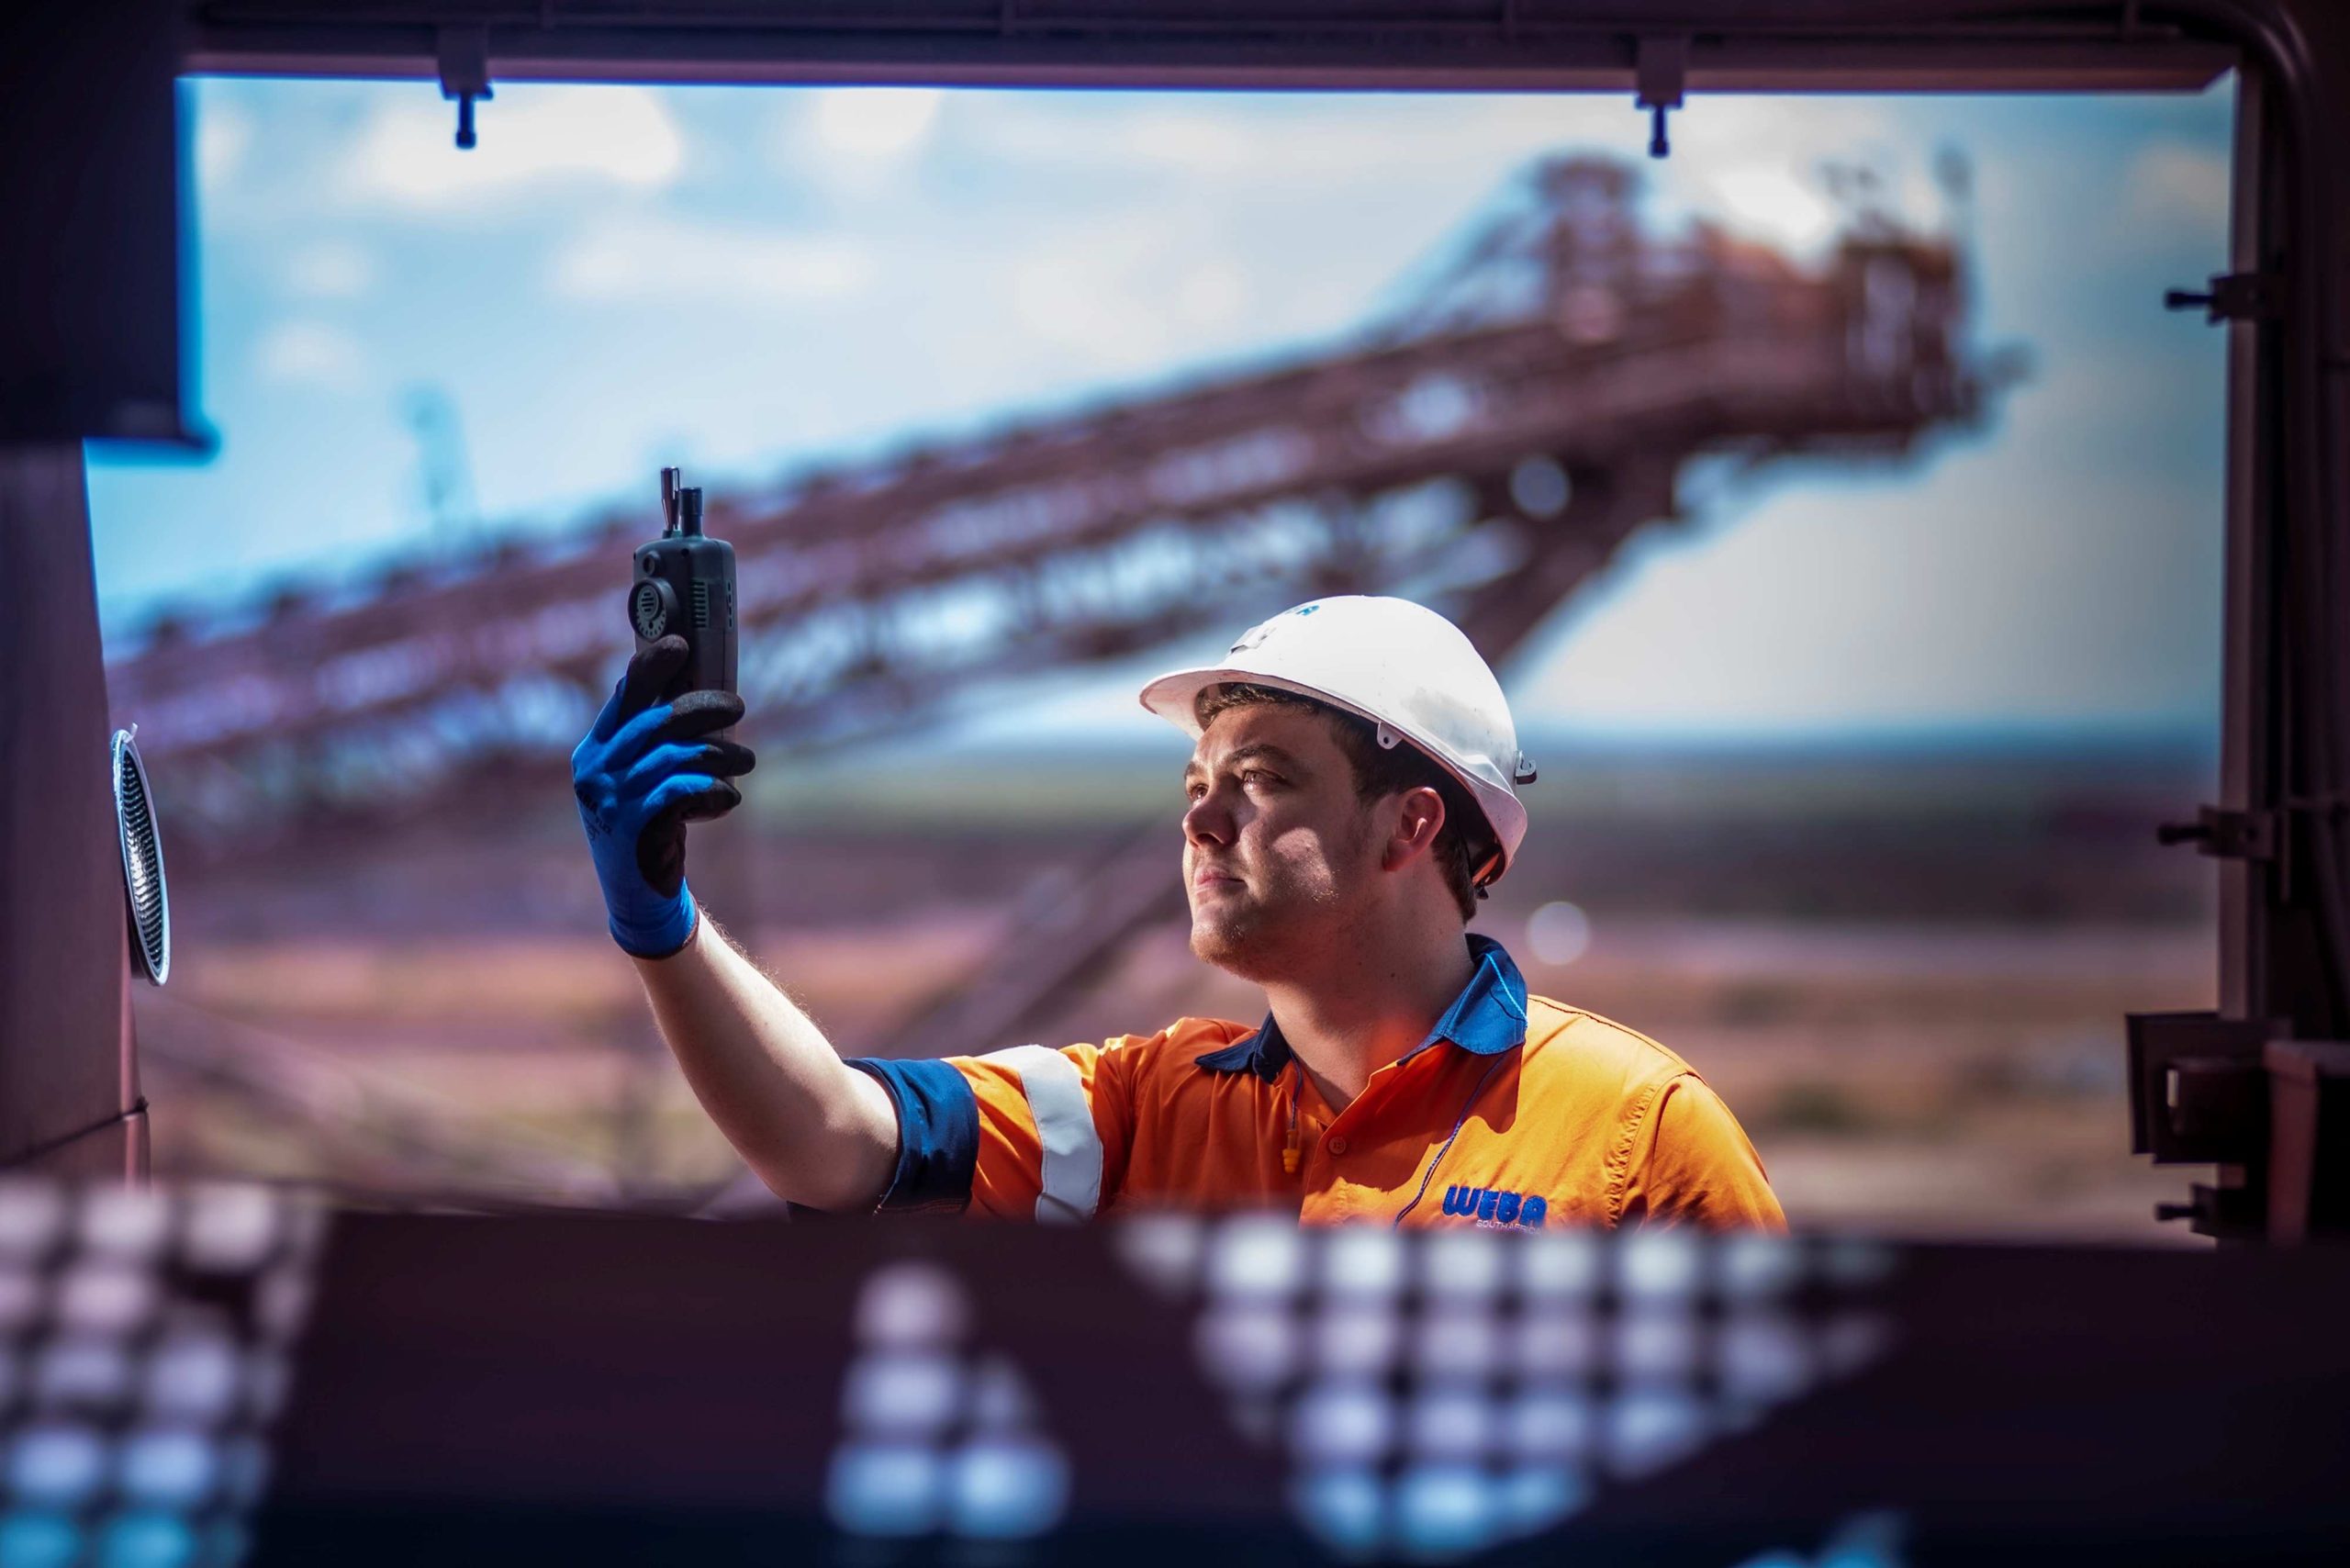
[1516, 1111]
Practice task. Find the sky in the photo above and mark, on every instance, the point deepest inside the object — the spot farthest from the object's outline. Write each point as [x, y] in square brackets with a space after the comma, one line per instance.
[738, 279]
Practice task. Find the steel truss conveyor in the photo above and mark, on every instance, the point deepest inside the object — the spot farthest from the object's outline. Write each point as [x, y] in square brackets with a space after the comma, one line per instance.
[1487, 449]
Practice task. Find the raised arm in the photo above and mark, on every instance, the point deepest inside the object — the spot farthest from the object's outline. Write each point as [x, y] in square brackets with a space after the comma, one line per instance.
[816, 1131]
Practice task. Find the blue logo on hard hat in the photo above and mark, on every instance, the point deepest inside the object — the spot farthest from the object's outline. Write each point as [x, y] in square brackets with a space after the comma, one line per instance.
[1264, 629]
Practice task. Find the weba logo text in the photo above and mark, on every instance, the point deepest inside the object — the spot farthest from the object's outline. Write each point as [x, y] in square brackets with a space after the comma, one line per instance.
[1490, 1206]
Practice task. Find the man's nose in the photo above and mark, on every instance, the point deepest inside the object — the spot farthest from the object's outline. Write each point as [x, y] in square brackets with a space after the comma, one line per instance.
[1208, 821]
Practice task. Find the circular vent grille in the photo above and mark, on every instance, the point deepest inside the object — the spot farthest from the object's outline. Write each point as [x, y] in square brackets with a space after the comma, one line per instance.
[142, 862]
[646, 609]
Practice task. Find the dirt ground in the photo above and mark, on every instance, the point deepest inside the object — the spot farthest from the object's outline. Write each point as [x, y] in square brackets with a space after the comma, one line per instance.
[1909, 986]
[1957, 1082]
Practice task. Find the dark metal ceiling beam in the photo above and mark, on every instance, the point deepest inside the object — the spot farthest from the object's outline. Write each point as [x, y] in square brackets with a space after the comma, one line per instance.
[1525, 45]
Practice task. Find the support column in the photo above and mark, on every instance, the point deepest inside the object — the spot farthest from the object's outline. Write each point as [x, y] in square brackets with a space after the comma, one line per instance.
[1605, 504]
[69, 1084]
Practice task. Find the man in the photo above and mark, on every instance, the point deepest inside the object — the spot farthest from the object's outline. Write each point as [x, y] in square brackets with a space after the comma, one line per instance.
[1351, 793]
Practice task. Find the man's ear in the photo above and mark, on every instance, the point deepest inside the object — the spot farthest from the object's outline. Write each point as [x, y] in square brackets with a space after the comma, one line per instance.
[1419, 818]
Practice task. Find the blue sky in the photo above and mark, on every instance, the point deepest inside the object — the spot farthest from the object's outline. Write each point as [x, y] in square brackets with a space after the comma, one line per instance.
[733, 278]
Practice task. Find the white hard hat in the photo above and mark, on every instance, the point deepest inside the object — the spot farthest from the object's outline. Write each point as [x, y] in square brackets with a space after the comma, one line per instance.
[1401, 666]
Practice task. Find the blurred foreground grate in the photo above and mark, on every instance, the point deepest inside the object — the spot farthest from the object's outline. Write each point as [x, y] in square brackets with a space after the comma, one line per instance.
[218, 1375]
[1439, 1392]
[145, 1353]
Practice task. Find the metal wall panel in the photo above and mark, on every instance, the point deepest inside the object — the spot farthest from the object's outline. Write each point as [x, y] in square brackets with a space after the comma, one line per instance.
[67, 1073]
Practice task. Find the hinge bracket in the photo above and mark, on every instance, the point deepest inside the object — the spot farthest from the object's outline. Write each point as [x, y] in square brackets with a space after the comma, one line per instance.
[1661, 69]
[2233, 296]
[2226, 835]
[465, 74]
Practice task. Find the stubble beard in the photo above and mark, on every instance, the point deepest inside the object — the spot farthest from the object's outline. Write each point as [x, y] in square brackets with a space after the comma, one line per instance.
[1258, 934]
[1234, 939]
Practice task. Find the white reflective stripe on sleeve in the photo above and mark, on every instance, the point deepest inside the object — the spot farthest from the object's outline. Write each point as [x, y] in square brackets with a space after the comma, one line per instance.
[1071, 1177]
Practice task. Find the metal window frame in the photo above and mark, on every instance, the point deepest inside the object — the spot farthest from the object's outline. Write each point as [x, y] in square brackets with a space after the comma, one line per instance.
[2285, 947]
[2285, 788]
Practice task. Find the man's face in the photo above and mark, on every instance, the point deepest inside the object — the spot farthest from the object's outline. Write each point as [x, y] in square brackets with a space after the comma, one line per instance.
[1276, 843]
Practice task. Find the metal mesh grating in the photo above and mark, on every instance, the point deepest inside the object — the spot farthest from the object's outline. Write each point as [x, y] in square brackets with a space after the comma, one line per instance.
[939, 1438]
[1439, 1393]
[146, 1342]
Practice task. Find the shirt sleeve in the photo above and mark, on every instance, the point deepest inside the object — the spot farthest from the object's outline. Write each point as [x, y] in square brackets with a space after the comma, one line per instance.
[1692, 1164]
[1027, 1132]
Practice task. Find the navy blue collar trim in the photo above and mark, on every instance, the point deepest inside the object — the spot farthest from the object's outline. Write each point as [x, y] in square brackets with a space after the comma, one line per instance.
[1264, 1053]
[1487, 1018]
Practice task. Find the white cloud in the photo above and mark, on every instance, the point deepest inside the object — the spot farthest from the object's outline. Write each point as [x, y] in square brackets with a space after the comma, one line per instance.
[1214, 293]
[674, 261]
[854, 142]
[312, 353]
[331, 269]
[1769, 202]
[1197, 143]
[529, 135]
[875, 122]
[223, 135]
[1376, 140]
[1264, 143]
[1795, 133]
[1133, 292]
[1194, 263]
[1068, 301]
[1392, 168]
[1984, 593]
[1771, 169]
[2171, 183]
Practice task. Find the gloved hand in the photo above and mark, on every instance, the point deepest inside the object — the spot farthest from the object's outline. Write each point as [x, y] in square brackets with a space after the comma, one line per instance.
[643, 772]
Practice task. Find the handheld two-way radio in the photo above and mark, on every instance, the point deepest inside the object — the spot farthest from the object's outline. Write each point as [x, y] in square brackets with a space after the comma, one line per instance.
[685, 587]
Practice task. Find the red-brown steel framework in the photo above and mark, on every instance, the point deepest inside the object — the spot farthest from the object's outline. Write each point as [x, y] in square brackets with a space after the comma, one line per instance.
[1489, 449]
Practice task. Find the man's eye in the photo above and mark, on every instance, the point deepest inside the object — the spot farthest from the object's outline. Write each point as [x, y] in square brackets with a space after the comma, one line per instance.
[1257, 776]
[1194, 791]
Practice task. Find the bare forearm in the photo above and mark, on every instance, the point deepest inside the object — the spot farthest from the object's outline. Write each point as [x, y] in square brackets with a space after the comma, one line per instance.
[816, 1131]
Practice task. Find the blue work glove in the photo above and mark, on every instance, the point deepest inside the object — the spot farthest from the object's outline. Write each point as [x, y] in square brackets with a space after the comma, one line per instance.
[645, 771]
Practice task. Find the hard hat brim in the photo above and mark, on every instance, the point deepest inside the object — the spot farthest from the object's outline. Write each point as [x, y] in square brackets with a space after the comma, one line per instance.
[1174, 697]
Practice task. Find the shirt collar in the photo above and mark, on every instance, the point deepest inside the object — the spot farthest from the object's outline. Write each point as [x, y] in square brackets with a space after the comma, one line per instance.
[1487, 1018]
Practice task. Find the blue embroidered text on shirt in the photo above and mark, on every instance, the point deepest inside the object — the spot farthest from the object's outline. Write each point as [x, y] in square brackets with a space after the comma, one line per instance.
[1491, 1206]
